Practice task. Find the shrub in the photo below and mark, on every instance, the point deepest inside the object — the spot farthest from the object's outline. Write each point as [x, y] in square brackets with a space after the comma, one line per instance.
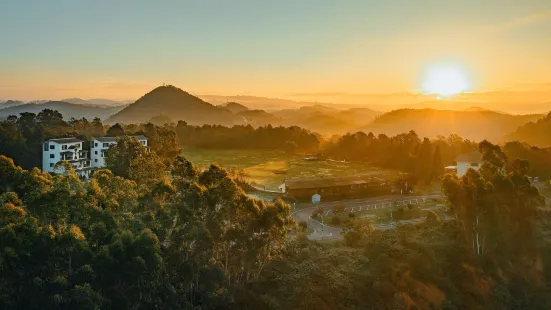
[433, 218]
[338, 209]
[303, 225]
[316, 212]
[335, 220]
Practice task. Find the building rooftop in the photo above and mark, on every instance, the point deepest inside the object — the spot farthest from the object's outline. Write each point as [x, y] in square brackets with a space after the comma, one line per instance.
[475, 157]
[65, 140]
[318, 182]
[113, 139]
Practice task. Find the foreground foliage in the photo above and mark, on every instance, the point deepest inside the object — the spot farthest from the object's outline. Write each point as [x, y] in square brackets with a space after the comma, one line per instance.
[153, 232]
[112, 244]
[495, 254]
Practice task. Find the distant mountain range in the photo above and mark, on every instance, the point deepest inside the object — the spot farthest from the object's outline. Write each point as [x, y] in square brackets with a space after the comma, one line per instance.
[327, 120]
[68, 110]
[90, 102]
[473, 125]
[475, 122]
[10, 103]
[514, 102]
[255, 103]
[98, 102]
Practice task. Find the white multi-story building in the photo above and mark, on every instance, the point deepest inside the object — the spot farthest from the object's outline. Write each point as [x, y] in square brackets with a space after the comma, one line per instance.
[69, 149]
[466, 161]
[100, 145]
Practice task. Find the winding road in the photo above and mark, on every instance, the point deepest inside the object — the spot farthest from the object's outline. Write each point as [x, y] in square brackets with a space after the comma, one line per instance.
[326, 232]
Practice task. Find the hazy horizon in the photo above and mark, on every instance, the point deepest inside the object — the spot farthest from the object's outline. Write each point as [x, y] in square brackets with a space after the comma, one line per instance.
[119, 51]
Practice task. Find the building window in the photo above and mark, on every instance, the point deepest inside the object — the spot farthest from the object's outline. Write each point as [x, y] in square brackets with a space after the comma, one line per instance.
[95, 144]
[64, 147]
[96, 152]
[52, 155]
[45, 147]
[51, 165]
[106, 145]
[96, 160]
[52, 147]
[143, 142]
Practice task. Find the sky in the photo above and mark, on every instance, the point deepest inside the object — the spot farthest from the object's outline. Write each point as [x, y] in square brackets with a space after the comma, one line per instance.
[120, 49]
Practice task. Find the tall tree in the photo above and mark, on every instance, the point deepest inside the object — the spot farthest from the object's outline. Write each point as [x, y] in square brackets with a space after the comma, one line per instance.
[130, 159]
[115, 131]
[437, 164]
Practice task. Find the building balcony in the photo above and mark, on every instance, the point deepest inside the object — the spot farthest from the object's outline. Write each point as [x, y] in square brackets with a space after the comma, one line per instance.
[81, 164]
[74, 156]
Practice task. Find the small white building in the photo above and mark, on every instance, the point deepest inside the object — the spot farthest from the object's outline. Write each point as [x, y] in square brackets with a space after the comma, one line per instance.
[466, 161]
[316, 198]
[69, 149]
[100, 145]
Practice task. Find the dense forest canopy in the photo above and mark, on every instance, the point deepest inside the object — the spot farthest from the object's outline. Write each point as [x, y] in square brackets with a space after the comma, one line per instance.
[134, 238]
[21, 138]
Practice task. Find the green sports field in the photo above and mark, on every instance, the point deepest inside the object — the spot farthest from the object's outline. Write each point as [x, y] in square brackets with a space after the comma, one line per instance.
[270, 168]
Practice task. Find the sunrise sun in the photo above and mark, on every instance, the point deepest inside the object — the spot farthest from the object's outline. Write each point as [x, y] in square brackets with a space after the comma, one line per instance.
[445, 81]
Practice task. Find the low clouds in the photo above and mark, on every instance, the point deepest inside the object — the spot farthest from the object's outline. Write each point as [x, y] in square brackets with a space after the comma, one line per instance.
[520, 22]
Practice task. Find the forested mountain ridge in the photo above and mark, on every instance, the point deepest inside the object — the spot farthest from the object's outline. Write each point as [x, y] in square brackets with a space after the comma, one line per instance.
[178, 104]
[473, 125]
[69, 110]
[536, 133]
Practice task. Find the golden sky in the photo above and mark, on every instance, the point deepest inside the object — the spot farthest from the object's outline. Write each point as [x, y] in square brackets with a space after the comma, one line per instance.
[122, 49]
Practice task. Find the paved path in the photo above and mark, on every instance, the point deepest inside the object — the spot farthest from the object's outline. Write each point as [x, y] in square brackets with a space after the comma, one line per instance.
[354, 205]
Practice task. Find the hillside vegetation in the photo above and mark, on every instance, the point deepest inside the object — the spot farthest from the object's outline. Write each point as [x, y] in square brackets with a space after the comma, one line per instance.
[177, 104]
[536, 133]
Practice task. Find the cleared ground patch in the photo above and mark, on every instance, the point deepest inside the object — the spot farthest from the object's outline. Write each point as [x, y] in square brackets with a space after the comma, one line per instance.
[269, 168]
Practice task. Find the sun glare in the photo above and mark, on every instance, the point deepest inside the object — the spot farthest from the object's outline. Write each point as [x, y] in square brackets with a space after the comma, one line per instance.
[446, 81]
